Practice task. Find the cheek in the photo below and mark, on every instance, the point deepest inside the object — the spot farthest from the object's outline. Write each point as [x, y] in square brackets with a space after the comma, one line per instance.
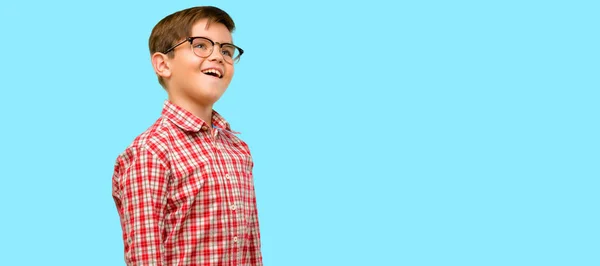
[231, 71]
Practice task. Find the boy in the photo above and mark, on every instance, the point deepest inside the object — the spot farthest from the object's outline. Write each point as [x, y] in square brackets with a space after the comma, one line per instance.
[184, 188]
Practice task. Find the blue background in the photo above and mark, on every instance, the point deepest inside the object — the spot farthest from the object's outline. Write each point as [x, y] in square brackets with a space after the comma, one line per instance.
[383, 132]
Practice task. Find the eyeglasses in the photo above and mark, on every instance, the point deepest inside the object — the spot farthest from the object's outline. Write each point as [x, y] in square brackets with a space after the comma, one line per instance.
[203, 47]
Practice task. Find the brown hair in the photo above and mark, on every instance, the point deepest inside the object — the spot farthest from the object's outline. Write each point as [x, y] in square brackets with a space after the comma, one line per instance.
[177, 26]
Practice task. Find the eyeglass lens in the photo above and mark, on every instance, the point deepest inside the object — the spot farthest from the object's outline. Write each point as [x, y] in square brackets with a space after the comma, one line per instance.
[203, 48]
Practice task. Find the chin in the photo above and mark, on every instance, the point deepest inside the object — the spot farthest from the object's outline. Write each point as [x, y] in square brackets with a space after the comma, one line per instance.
[208, 97]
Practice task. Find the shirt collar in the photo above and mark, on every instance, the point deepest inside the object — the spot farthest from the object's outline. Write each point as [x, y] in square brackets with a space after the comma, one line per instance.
[188, 121]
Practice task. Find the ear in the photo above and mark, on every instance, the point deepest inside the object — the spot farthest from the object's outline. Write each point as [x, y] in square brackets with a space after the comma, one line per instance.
[160, 63]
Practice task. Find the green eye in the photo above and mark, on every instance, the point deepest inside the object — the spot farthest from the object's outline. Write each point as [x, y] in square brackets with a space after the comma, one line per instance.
[227, 53]
[228, 50]
[201, 44]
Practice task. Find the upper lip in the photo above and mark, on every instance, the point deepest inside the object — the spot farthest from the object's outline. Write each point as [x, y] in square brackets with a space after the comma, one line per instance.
[219, 70]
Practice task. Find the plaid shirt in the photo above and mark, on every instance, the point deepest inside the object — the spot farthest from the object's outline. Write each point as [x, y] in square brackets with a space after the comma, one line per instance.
[185, 194]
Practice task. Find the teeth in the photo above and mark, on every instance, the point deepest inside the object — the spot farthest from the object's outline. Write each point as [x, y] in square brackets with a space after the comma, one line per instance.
[214, 71]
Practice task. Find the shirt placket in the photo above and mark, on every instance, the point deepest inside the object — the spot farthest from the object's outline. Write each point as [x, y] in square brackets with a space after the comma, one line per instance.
[227, 179]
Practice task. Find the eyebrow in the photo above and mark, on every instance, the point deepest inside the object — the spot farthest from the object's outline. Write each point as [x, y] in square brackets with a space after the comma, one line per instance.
[212, 39]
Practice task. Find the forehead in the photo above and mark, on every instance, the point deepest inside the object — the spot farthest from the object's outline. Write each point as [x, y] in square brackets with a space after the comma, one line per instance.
[216, 31]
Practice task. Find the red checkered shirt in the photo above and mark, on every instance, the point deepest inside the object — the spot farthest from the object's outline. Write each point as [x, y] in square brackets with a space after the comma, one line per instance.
[185, 194]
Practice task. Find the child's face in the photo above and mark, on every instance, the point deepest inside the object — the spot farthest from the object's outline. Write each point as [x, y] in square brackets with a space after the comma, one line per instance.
[189, 76]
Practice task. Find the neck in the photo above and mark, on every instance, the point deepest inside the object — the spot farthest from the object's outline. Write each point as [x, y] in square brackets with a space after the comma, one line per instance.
[203, 112]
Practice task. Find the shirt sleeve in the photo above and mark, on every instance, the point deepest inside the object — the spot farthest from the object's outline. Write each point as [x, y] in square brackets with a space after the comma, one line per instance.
[254, 243]
[140, 193]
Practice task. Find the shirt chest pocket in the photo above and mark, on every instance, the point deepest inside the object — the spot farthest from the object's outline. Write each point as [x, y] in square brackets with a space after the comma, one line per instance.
[188, 179]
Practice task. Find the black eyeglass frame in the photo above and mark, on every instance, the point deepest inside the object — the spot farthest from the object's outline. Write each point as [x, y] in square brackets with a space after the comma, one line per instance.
[191, 40]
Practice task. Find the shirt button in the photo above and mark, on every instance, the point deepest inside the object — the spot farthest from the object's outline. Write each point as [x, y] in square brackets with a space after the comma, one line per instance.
[232, 207]
[205, 128]
[227, 176]
[235, 239]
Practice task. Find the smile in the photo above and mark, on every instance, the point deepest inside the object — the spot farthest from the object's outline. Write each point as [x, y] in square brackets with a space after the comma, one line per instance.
[213, 72]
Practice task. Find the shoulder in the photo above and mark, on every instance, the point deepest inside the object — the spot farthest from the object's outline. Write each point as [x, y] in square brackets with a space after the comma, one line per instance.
[233, 141]
[152, 142]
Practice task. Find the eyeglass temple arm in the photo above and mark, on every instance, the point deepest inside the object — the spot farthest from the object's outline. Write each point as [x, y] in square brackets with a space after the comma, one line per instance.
[175, 46]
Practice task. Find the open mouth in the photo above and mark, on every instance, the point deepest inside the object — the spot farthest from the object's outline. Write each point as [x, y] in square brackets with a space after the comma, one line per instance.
[213, 72]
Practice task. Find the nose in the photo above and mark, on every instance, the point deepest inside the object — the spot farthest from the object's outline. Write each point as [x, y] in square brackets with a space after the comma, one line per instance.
[216, 54]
